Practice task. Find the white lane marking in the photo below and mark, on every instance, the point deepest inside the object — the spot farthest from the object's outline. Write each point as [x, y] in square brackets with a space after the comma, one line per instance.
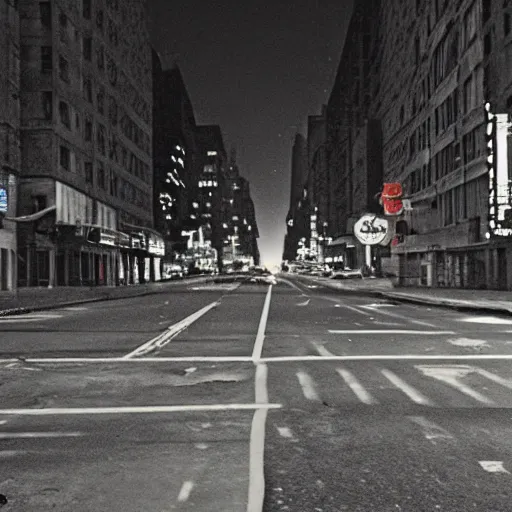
[495, 378]
[172, 331]
[356, 387]
[321, 349]
[486, 320]
[29, 318]
[308, 386]
[400, 317]
[145, 409]
[493, 466]
[388, 331]
[276, 359]
[293, 285]
[11, 453]
[468, 342]
[410, 391]
[185, 491]
[38, 435]
[304, 303]
[451, 375]
[260, 336]
[66, 360]
[3, 422]
[285, 432]
[257, 444]
[75, 308]
[260, 384]
[379, 306]
[430, 429]
[384, 357]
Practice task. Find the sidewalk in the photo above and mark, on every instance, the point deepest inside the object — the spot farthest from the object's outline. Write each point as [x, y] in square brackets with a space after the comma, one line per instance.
[37, 299]
[462, 299]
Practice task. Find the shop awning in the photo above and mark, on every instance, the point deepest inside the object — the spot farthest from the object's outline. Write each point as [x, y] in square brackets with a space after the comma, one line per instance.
[33, 216]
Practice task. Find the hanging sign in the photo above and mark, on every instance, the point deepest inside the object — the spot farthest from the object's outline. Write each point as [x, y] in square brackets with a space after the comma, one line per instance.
[371, 229]
[3, 200]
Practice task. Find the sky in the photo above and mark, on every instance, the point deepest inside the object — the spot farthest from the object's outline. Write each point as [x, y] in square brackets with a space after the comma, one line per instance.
[257, 69]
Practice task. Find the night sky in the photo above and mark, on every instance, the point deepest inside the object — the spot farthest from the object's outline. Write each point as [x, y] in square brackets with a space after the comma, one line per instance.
[257, 69]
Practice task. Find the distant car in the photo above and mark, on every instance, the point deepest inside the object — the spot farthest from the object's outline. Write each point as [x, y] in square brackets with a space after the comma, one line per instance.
[263, 277]
[347, 273]
[175, 272]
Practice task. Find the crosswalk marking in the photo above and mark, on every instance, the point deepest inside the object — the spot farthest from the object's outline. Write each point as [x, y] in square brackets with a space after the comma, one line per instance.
[430, 429]
[356, 387]
[450, 376]
[308, 386]
[493, 466]
[411, 392]
[507, 383]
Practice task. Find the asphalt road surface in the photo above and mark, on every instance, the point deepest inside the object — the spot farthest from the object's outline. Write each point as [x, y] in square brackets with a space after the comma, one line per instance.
[228, 397]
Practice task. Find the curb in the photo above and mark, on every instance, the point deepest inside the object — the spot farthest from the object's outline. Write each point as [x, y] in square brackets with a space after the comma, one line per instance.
[441, 303]
[47, 307]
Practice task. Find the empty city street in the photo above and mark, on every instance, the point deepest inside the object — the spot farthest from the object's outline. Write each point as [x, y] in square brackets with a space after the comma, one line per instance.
[245, 397]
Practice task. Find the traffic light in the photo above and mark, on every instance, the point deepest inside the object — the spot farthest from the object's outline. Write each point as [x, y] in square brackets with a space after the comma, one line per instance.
[391, 199]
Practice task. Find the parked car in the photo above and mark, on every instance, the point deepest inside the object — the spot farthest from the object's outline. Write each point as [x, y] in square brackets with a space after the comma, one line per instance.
[347, 273]
[175, 272]
[263, 277]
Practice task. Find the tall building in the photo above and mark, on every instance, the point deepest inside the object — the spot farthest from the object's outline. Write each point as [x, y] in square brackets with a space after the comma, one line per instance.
[207, 206]
[298, 198]
[175, 154]
[85, 211]
[239, 227]
[9, 139]
[423, 97]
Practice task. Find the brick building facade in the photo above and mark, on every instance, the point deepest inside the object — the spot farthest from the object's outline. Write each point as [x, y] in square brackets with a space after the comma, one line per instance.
[407, 105]
[85, 212]
[9, 139]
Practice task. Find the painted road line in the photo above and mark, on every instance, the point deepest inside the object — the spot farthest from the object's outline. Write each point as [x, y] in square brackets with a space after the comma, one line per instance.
[450, 376]
[493, 466]
[38, 435]
[430, 429]
[389, 331]
[411, 392]
[177, 359]
[308, 386]
[3, 422]
[293, 285]
[384, 357]
[356, 387]
[257, 444]
[260, 336]
[12, 453]
[145, 409]
[399, 317]
[172, 331]
[507, 383]
[321, 349]
[305, 303]
[285, 432]
[185, 491]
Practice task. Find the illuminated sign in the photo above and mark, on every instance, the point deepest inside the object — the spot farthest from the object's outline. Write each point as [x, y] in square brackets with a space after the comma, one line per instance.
[3, 200]
[371, 230]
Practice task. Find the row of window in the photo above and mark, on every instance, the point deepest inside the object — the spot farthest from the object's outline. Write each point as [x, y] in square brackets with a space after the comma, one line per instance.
[106, 179]
[447, 160]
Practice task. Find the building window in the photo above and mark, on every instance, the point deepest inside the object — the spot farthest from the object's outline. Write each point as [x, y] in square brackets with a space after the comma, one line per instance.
[45, 11]
[101, 176]
[506, 23]
[47, 98]
[100, 99]
[86, 9]
[87, 48]
[113, 184]
[46, 59]
[88, 172]
[88, 130]
[417, 50]
[65, 157]
[63, 69]
[38, 203]
[101, 139]
[77, 122]
[87, 89]
[486, 10]
[487, 43]
[100, 58]
[64, 114]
